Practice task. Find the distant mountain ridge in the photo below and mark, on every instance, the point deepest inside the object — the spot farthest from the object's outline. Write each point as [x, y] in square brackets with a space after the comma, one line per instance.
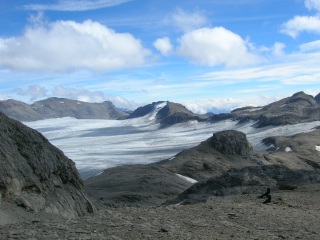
[298, 108]
[60, 107]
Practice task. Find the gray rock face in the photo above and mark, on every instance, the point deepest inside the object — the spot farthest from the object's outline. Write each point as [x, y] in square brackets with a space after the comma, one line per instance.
[231, 142]
[60, 107]
[36, 175]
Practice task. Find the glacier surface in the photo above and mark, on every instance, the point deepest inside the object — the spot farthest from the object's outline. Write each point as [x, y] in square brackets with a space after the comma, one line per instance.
[95, 145]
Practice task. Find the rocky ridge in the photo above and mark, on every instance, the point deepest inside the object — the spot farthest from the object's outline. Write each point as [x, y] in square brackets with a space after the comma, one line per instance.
[37, 176]
[60, 107]
[298, 108]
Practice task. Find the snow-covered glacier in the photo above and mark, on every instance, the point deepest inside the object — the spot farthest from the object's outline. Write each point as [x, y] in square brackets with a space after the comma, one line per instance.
[95, 145]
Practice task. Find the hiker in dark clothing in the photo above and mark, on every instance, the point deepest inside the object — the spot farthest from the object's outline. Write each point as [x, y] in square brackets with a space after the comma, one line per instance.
[267, 195]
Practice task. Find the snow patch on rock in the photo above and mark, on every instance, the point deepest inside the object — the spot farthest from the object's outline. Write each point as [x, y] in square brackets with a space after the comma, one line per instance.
[190, 180]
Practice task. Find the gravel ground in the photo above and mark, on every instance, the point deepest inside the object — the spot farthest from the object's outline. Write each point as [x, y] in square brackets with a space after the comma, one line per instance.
[290, 215]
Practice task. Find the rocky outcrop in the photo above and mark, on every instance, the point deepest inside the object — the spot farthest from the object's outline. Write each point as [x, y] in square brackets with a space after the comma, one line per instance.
[60, 107]
[36, 175]
[246, 181]
[231, 142]
[221, 152]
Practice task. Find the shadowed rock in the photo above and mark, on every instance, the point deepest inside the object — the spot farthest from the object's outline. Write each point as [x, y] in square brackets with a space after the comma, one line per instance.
[36, 175]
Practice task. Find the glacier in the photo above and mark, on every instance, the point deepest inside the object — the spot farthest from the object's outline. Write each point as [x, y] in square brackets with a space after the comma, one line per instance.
[95, 144]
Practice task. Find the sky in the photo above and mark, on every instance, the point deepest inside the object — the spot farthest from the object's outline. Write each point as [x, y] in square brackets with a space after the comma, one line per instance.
[208, 55]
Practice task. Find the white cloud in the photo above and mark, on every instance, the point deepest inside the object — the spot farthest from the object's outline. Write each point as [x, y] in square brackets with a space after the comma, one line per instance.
[68, 45]
[216, 46]
[33, 91]
[313, 4]
[277, 49]
[163, 45]
[298, 24]
[295, 69]
[187, 21]
[207, 105]
[75, 5]
[311, 46]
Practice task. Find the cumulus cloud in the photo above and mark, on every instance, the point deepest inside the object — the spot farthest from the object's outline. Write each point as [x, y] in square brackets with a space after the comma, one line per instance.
[163, 45]
[187, 21]
[68, 45]
[298, 24]
[75, 5]
[216, 46]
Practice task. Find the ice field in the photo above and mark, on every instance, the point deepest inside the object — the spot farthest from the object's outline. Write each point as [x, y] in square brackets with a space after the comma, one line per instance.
[95, 145]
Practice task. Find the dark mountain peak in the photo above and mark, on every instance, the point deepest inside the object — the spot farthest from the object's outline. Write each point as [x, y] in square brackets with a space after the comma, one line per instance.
[36, 175]
[173, 113]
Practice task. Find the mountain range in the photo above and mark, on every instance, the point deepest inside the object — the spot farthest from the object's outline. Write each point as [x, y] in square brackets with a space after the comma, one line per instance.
[298, 108]
[39, 177]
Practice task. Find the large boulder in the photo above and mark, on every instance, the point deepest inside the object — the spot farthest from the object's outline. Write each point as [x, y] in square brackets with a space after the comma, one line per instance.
[36, 175]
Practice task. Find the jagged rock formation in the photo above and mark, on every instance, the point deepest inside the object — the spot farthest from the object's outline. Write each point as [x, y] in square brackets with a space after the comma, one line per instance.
[298, 108]
[167, 113]
[36, 175]
[60, 107]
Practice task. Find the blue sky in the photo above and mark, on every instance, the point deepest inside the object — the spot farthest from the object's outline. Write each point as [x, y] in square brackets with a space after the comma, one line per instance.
[209, 55]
